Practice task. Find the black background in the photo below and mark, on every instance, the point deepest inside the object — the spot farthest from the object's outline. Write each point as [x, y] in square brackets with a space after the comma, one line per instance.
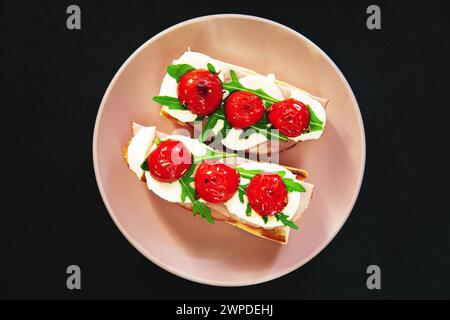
[52, 81]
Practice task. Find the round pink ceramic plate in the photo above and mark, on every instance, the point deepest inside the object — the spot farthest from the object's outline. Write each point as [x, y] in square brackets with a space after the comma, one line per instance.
[221, 254]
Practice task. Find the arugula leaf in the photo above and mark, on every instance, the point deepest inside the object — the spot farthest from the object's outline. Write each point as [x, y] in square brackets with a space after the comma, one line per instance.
[242, 189]
[157, 140]
[315, 124]
[248, 210]
[176, 71]
[284, 219]
[187, 179]
[292, 186]
[248, 174]
[213, 155]
[204, 211]
[188, 191]
[281, 173]
[265, 219]
[235, 85]
[183, 193]
[211, 68]
[263, 127]
[170, 102]
[190, 172]
[219, 114]
[211, 123]
[223, 133]
[144, 165]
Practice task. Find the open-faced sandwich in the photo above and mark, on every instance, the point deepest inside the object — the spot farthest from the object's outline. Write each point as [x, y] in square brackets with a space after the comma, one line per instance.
[239, 107]
[265, 199]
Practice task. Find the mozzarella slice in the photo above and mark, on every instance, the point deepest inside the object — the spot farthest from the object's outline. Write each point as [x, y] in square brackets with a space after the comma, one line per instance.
[139, 148]
[266, 83]
[237, 208]
[169, 85]
[233, 142]
[318, 109]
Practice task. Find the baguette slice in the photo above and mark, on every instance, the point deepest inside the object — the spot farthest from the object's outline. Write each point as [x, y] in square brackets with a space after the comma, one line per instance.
[219, 212]
[286, 89]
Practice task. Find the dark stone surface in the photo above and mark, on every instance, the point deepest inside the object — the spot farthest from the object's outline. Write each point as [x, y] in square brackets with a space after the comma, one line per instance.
[52, 81]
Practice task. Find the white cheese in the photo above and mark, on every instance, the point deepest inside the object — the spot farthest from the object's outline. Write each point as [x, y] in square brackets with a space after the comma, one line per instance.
[170, 191]
[233, 142]
[318, 109]
[169, 85]
[139, 148]
[267, 84]
[193, 145]
[237, 208]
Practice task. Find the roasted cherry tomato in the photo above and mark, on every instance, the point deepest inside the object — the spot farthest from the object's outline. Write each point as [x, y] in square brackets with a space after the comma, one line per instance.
[200, 91]
[216, 182]
[169, 161]
[243, 109]
[290, 117]
[267, 194]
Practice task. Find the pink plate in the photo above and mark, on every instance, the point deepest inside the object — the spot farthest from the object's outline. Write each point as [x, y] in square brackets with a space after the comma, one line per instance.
[221, 254]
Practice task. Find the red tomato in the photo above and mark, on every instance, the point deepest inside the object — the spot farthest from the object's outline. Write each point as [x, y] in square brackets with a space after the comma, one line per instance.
[216, 182]
[243, 109]
[290, 117]
[169, 161]
[267, 194]
[200, 91]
